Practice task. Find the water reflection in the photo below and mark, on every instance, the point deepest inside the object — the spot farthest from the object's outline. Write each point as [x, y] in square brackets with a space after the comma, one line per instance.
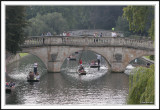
[67, 87]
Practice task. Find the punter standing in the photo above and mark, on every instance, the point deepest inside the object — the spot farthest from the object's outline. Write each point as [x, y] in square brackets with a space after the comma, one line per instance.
[35, 68]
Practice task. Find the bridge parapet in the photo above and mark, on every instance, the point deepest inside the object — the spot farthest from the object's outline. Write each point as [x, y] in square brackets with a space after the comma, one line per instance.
[88, 41]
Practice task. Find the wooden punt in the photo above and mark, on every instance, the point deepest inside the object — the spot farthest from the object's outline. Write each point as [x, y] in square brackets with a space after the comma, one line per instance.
[94, 66]
[9, 89]
[72, 58]
[32, 80]
[81, 72]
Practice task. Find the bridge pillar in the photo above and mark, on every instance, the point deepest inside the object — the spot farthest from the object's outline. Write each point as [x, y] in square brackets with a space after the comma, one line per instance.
[117, 67]
[54, 66]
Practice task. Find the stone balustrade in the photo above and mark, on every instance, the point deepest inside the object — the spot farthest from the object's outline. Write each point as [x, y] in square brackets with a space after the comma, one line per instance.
[88, 41]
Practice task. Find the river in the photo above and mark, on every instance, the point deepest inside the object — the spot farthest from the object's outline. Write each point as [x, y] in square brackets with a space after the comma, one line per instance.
[67, 88]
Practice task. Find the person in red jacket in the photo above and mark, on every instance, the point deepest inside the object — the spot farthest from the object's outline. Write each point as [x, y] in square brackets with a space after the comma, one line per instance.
[80, 61]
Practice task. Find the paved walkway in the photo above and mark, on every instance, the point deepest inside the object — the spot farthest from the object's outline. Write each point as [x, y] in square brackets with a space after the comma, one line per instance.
[151, 61]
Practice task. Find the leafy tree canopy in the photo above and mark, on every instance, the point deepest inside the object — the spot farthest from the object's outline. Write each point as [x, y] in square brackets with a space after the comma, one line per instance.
[15, 24]
[141, 86]
[140, 18]
[50, 22]
[81, 17]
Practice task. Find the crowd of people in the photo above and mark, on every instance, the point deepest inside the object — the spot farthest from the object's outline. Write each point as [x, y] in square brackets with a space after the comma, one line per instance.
[65, 34]
[10, 84]
[46, 34]
[98, 35]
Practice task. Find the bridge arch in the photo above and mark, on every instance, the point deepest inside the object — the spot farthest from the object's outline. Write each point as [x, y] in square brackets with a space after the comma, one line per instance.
[118, 52]
[108, 63]
[37, 57]
[138, 56]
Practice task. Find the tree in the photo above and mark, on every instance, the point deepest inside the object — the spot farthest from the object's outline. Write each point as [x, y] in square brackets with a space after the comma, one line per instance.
[122, 24]
[142, 82]
[50, 22]
[139, 17]
[15, 24]
[82, 17]
[141, 86]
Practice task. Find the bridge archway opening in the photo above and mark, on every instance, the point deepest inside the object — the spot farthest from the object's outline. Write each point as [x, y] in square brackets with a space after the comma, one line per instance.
[70, 65]
[30, 59]
[139, 61]
[20, 69]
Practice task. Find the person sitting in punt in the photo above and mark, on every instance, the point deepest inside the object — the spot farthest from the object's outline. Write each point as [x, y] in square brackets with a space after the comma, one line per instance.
[37, 76]
[11, 84]
[93, 62]
[7, 84]
[81, 69]
[31, 75]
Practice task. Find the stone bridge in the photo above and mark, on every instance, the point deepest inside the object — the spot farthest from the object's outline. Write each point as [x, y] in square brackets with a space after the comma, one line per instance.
[118, 51]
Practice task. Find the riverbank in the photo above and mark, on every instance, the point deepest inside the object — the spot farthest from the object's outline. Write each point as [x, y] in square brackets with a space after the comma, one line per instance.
[23, 54]
[130, 68]
[151, 61]
[10, 58]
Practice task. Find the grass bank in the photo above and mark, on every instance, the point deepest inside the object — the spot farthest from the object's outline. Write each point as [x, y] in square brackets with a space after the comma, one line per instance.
[23, 54]
[147, 57]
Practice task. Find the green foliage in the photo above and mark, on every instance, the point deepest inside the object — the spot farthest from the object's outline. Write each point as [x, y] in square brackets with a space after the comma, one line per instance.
[23, 54]
[127, 33]
[15, 24]
[136, 15]
[140, 18]
[51, 22]
[122, 24]
[147, 57]
[151, 57]
[141, 86]
[151, 30]
[81, 17]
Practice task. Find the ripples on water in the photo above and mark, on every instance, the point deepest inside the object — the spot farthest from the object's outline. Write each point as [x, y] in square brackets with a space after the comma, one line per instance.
[67, 87]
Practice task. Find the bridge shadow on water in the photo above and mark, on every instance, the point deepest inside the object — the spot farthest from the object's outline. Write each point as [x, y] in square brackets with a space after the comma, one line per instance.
[70, 68]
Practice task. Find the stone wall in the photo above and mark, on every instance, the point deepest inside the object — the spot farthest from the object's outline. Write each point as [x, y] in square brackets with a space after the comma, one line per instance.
[10, 58]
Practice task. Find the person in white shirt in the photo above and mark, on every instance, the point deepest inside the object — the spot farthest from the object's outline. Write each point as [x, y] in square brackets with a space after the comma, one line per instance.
[35, 68]
[64, 33]
[114, 34]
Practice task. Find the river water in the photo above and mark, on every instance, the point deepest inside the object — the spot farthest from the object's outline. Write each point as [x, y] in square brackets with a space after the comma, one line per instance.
[67, 88]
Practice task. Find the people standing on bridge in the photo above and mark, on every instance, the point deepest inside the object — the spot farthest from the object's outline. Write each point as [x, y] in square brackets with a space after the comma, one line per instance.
[43, 40]
[64, 33]
[35, 67]
[114, 34]
[68, 34]
[43, 34]
[95, 34]
[48, 34]
[101, 35]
